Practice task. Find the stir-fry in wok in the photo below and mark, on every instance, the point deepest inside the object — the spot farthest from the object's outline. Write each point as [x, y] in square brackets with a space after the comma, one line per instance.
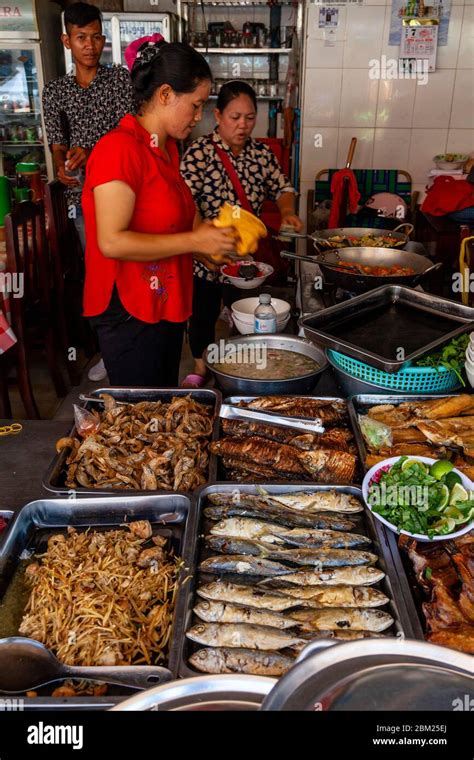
[397, 270]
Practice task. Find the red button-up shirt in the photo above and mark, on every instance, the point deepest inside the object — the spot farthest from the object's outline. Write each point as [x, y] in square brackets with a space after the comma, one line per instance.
[154, 290]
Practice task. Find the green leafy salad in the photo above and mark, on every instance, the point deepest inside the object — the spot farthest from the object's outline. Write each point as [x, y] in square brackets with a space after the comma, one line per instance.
[423, 499]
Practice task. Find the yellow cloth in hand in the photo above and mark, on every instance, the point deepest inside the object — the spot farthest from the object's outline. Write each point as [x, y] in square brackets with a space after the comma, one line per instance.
[248, 227]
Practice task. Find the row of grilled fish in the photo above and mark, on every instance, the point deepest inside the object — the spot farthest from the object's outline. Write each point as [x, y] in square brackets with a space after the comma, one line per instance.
[325, 592]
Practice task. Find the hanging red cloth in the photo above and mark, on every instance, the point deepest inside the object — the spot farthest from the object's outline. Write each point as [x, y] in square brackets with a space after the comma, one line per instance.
[337, 190]
[447, 195]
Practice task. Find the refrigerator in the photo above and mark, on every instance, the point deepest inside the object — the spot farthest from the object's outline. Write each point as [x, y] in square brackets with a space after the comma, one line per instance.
[120, 29]
[29, 45]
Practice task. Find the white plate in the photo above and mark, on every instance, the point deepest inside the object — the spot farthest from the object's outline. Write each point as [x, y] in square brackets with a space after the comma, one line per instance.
[467, 483]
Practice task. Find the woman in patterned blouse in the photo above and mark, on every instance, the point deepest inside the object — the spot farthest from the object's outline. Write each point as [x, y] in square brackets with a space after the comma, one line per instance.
[261, 179]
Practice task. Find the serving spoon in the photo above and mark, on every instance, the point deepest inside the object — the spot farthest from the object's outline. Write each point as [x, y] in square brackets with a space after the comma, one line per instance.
[26, 664]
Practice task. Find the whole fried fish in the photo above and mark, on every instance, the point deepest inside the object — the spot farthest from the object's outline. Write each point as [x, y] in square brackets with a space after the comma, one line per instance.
[306, 502]
[248, 661]
[333, 596]
[329, 466]
[243, 565]
[221, 612]
[241, 527]
[249, 596]
[350, 576]
[281, 516]
[339, 618]
[323, 557]
[230, 545]
[242, 635]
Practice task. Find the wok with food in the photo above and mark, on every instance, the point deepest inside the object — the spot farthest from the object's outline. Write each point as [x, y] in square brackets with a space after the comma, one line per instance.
[348, 237]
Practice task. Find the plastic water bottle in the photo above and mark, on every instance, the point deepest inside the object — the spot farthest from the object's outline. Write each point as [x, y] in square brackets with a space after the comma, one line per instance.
[265, 315]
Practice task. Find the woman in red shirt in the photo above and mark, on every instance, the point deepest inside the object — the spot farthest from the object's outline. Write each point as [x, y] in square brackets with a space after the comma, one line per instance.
[142, 225]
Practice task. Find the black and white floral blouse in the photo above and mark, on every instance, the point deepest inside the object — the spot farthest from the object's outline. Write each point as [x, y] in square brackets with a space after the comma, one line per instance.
[256, 166]
[87, 112]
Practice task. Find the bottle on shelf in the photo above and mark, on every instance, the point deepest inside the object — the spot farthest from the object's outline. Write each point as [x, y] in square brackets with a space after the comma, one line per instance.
[265, 315]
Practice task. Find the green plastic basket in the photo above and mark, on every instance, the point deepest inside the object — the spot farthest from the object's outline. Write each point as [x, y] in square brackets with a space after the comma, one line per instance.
[411, 379]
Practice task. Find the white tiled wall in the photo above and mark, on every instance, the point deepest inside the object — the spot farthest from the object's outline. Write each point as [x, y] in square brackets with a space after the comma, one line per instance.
[398, 123]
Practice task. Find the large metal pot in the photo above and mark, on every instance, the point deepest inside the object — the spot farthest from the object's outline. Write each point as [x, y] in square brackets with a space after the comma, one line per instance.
[247, 387]
[210, 692]
[374, 257]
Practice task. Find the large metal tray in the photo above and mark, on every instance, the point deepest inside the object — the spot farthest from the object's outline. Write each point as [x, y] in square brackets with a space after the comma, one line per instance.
[54, 479]
[360, 403]
[221, 470]
[172, 515]
[373, 327]
[401, 607]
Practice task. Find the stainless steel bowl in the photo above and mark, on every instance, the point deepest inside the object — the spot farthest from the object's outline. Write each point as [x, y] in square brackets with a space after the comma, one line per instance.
[209, 692]
[248, 387]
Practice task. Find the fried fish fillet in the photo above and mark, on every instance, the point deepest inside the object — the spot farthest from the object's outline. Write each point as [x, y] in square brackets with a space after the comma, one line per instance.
[458, 431]
[329, 411]
[436, 409]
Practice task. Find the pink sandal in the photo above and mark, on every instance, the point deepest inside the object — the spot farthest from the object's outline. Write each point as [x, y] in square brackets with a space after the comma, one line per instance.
[193, 381]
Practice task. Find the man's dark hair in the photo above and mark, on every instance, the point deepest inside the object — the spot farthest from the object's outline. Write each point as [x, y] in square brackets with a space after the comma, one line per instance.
[81, 14]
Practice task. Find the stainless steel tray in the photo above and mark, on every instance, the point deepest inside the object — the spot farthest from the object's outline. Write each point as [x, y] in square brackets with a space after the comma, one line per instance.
[381, 322]
[55, 475]
[221, 471]
[359, 404]
[171, 514]
[401, 607]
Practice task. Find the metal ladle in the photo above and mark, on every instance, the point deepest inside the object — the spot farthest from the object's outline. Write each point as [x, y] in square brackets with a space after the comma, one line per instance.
[26, 664]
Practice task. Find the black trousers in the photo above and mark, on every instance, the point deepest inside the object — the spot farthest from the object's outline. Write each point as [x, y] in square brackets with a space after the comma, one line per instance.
[136, 353]
[207, 298]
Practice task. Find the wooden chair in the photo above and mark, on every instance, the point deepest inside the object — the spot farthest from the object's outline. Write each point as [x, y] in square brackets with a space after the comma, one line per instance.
[33, 320]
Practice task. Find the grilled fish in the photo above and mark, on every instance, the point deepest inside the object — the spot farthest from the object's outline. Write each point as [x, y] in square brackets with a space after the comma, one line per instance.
[350, 576]
[323, 557]
[336, 619]
[243, 565]
[281, 516]
[303, 502]
[249, 596]
[230, 545]
[248, 661]
[242, 635]
[336, 438]
[329, 411]
[240, 527]
[328, 466]
[333, 596]
[220, 612]
[269, 454]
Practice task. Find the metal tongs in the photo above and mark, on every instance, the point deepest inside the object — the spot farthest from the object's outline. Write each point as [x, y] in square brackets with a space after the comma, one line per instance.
[305, 424]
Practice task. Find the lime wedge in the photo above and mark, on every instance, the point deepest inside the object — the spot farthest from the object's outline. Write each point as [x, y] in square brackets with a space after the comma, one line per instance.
[411, 462]
[445, 526]
[458, 493]
[444, 500]
[440, 468]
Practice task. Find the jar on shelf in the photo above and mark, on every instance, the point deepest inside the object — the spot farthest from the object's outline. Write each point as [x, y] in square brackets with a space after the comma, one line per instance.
[228, 38]
[247, 39]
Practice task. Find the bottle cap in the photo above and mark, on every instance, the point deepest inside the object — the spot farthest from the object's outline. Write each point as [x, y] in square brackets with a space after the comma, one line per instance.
[265, 298]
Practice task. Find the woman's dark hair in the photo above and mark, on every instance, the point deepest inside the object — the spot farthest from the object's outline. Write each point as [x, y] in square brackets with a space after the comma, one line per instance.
[232, 90]
[172, 63]
[81, 14]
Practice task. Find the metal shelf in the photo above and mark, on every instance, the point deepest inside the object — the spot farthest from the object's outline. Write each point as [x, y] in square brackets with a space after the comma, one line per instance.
[244, 51]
